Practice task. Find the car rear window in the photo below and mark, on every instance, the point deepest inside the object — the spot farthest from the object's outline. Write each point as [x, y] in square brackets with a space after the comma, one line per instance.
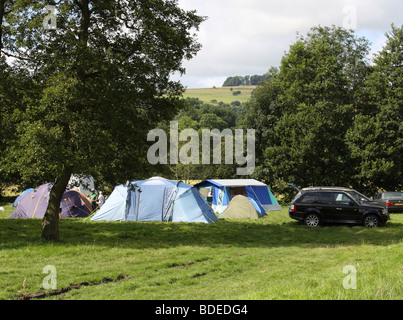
[311, 197]
[394, 196]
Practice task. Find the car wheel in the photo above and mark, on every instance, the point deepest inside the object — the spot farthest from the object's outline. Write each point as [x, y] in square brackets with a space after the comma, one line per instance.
[311, 220]
[371, 221]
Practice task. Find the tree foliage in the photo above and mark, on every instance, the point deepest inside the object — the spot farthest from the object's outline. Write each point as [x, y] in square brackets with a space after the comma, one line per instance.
[198, 116]
[309, 115]
[253, 80]
[376, 138]
[102, 80]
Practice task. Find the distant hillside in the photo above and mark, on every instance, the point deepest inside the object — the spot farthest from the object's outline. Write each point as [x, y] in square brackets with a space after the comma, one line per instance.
[225, 95]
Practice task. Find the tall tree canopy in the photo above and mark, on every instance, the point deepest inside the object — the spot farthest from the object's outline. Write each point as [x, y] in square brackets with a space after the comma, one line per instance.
[301, 114]
[376, 138]
[328, 116]
[13, 83]
[101, 71]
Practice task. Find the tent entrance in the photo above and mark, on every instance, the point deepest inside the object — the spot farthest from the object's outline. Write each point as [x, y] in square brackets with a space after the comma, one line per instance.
[149, 203]
[207, 194]
[236, 191]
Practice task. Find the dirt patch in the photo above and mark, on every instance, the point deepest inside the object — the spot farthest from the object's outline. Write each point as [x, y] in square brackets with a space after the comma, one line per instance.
[181, 265]
[43, 294]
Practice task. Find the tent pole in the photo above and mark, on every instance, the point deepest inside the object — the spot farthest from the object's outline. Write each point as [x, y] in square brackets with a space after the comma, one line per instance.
[256, 196]
[138, 204]
[163, 202]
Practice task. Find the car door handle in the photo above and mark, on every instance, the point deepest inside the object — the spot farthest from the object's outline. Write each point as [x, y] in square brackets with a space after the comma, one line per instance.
[339, 208]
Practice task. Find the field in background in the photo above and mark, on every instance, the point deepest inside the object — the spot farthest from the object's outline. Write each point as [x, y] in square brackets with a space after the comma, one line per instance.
[220, 94]
[274, 257]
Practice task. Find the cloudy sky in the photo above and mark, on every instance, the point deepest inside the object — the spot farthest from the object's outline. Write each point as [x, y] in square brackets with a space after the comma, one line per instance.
[247, 37]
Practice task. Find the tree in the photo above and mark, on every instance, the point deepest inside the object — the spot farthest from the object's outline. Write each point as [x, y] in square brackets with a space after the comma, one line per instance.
[104, 80]
[212, 121]
[4, 71]
[302, 112]
[376, 138]
[246, 80]
[235, 103]
[233, 81]
[13, 82]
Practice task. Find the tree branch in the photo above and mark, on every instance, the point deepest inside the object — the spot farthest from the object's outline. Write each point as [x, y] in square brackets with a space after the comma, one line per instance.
[14, 56]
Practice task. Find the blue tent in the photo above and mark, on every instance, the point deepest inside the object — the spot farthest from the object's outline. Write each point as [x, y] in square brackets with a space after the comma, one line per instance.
[223, 190]
[156, 199]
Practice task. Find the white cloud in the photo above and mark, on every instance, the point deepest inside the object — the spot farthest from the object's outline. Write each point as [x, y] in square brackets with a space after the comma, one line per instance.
[248, 37]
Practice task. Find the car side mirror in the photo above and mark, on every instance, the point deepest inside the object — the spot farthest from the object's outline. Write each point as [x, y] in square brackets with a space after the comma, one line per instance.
[352, 203]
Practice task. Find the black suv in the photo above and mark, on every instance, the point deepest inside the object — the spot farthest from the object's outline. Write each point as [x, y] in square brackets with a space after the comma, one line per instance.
[338, 205]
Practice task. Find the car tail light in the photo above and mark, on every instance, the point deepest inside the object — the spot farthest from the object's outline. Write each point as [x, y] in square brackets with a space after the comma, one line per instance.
[293, 208]
[388, 203]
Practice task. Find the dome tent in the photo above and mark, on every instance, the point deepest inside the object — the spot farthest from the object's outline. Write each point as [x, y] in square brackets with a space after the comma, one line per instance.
[33, 204]
[240, 207]
[18, 199]
[259, 208]
[155, 199]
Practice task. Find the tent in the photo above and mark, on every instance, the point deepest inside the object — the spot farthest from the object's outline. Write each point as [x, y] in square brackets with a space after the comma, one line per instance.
[156, 199]
[258, 207]
[223, 190]
[240, 207]
[34, 203]
[18, 199]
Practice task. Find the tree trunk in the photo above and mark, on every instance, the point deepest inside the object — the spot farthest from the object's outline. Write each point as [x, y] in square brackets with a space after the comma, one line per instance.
[50, 222]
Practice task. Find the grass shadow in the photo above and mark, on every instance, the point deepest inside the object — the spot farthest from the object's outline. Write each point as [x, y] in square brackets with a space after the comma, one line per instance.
[241, 233]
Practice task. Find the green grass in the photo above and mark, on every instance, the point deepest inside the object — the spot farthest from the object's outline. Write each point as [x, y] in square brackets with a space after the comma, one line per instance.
[220, 94]
[274, 257]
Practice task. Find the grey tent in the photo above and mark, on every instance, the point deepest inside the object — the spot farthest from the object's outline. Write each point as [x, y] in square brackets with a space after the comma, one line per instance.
[240, 207]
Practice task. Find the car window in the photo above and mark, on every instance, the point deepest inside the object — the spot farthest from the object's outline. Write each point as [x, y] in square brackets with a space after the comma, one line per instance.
[325, 198]
[355, 196]
[341, 198]
[394, 196]
[311, 197]
[360, 196]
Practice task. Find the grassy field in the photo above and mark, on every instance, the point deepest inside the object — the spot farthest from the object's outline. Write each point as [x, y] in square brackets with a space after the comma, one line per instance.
[274, 257]
[223, 94]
